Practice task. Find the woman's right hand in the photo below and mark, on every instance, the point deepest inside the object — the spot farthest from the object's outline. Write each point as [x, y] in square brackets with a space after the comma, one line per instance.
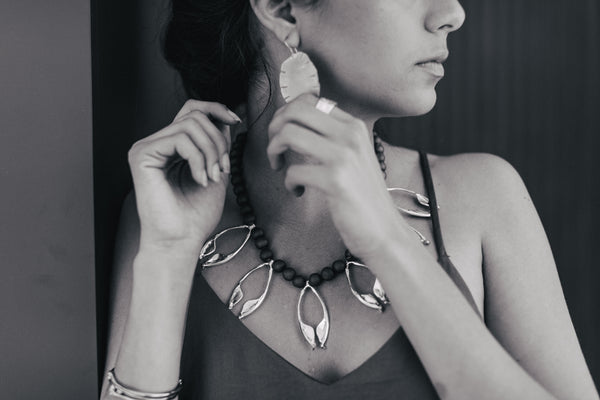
[180, 176]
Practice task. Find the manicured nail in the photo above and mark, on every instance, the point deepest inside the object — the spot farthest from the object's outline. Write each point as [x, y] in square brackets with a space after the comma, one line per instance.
[216, 173]
[226, 163]
[204, 179]
[234, 116]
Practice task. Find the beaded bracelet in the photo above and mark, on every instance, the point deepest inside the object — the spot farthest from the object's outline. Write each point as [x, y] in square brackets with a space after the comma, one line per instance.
[117, 389]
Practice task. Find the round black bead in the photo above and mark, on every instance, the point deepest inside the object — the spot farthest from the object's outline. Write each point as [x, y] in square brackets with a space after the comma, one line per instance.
[239, 190]
[257, 232]
[266, 255]
[249, 219]
[299, 282]
[381, 157]
[237, 180]
[327, 273]
[247, 209]
[261, 242]
[338, 266]
[235, 169]
[242, 200]
[315, 280]
[279, 265]
[288, 274]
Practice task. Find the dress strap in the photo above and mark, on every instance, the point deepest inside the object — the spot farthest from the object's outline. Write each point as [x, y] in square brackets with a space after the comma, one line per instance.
[443, 257]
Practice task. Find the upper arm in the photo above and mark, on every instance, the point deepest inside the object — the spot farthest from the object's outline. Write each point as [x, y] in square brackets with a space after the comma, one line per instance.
[524, 303]
[126, 248]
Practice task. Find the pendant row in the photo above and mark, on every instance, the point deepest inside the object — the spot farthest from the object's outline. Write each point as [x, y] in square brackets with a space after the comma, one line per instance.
[315, 336]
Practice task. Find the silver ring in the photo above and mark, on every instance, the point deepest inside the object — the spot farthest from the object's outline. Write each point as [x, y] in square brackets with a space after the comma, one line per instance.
[325, 105]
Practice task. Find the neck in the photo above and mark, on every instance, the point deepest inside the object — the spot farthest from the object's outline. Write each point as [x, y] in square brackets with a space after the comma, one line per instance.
[272, 202]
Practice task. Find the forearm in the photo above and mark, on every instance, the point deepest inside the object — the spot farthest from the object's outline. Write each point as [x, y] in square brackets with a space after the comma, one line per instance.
[460, 355]
[150, 350]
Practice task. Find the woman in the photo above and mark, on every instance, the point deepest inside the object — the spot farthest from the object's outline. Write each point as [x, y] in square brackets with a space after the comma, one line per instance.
[305, 179]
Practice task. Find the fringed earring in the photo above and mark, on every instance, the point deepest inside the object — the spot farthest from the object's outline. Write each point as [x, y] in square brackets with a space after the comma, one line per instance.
[298, 76]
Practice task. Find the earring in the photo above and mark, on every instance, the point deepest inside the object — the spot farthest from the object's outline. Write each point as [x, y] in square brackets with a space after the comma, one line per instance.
[298, 76]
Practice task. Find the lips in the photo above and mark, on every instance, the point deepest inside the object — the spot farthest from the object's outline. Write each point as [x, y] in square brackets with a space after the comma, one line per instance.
[433, 67]
[433, 64]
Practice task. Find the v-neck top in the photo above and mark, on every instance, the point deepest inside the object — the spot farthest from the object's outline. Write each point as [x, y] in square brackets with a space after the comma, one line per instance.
[222, 359]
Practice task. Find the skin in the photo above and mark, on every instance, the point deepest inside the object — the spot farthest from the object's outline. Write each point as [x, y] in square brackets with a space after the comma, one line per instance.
[526, 348]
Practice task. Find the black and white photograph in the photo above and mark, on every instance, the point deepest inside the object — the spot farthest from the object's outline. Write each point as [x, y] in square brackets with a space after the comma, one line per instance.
[299, 199]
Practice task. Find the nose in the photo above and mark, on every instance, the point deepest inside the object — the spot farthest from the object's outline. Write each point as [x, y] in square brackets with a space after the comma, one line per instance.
[445, 15]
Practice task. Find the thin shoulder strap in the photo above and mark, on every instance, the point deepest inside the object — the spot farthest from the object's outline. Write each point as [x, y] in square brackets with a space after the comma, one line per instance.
[433, 206]
[443, 258]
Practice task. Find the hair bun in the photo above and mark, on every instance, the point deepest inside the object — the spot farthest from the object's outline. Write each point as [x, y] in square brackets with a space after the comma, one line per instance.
[209, 44]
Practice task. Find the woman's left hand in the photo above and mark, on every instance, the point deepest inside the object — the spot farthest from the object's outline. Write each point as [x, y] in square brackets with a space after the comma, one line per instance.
[343, 166]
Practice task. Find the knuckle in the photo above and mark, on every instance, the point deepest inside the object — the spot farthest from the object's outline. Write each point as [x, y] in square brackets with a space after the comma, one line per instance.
[133, 152]
[192, 125]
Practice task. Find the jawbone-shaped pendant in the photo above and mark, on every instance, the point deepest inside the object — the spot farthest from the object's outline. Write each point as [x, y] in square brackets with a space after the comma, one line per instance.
[377, 300]
[208, 255]
[238, 294]
[314, 336]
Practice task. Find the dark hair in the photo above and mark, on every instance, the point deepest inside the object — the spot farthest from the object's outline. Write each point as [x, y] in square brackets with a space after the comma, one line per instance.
[211, 45]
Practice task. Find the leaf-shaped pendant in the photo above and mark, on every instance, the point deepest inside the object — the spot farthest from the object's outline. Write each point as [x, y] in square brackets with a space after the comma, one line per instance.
[376, 300]
[420, 199]
[298, 76]
[208, 255]
[380, 293]
[238, 294]
[314, 336]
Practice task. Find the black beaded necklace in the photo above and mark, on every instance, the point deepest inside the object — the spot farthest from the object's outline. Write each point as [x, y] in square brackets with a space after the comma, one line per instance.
[258, 235]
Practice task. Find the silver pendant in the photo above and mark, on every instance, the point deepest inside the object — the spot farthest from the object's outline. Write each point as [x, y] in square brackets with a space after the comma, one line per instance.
[424, 240]
[238, 294]
[314, 336]
[210, 247]
[420, 199]
[377, 300]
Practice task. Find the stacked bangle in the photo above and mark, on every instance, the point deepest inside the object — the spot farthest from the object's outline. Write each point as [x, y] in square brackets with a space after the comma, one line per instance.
[120, 391]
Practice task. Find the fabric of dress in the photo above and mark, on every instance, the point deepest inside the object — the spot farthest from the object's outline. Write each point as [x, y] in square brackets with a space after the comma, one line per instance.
[223, 360]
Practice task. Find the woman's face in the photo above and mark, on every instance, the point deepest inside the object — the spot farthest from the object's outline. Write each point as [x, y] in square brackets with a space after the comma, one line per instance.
[370, 53]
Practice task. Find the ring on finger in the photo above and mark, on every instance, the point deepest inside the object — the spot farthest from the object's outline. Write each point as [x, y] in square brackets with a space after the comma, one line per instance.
[325, 105]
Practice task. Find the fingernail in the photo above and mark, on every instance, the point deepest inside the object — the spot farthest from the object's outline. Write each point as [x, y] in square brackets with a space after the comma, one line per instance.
[204, 180]
[216, 173]
[234, 116]
[226, 163]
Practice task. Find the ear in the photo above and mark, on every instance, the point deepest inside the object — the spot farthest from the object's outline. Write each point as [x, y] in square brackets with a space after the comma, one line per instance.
[278, 17]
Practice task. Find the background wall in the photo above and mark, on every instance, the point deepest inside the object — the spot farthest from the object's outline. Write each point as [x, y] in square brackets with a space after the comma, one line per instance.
[522, 82]
[47, 312]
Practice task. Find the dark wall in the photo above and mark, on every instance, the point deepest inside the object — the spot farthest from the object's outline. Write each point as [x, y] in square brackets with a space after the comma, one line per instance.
[47, 310]
[522, 82]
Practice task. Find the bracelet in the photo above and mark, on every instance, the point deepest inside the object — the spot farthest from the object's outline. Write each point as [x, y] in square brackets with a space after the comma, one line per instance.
[117, 389]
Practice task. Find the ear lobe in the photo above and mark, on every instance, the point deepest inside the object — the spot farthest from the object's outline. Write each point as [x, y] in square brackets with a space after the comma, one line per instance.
[277, 16]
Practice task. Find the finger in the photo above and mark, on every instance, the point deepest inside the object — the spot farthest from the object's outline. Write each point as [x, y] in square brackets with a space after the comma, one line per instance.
[214, 110]
[161, 150]
[299, 176]
[300, 140]
[220, 138]
[303, 114]
[200, 137]
[203, 143]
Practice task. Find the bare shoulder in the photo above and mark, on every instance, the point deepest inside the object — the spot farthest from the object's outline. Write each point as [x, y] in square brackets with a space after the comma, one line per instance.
[477, 182]
[486, 184]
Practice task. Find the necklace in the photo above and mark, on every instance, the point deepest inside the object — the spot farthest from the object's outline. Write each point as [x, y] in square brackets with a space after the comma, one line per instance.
[314, 335]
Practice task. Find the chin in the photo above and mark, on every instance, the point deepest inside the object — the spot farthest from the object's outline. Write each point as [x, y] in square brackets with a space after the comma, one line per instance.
[420, 103]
